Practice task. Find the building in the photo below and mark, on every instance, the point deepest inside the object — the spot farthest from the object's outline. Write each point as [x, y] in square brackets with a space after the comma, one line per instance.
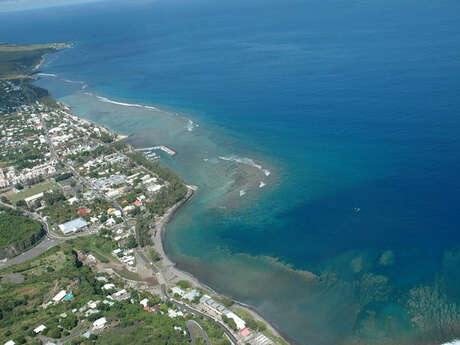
[176, 290]
[83, 211]
[73, 226]
[99, 323]
[59, 296]
[10, 342]
[191, 295]
[39, 329]
[32, 198]
[245, 332]
[144, 302]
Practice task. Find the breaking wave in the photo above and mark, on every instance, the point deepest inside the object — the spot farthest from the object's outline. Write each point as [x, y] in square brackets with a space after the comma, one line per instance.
[191, 125]
[134, 105]
[453, 342]
[47, 75]
[246, 161]
[52, 75]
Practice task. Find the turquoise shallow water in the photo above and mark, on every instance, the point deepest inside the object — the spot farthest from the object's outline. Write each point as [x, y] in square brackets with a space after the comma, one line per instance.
[352, 107]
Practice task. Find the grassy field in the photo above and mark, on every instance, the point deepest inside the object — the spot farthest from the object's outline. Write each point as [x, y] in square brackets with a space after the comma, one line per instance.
[19, 61]
[35, 189]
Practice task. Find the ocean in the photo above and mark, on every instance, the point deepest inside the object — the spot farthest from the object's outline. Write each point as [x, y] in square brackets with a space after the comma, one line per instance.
[324, 137]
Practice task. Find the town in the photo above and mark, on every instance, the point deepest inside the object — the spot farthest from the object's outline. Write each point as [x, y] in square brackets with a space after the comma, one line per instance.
[100, 204]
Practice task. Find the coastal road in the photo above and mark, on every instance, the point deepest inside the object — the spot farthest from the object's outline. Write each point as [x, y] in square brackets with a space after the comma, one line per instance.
[186, 308]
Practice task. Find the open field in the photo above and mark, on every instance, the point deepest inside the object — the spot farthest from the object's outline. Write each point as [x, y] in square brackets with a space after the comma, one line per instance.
[35, 189]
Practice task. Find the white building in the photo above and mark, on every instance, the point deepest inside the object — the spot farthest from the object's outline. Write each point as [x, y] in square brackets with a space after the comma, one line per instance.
[33, 198]
[59, 296]
[39, 329]
[99, 323]
[144, 302]
[108, 286]
[73, 226]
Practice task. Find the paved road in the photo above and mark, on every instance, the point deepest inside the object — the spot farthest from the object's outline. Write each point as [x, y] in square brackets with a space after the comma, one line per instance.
[32, 253]
[199, 313]
[196, 332]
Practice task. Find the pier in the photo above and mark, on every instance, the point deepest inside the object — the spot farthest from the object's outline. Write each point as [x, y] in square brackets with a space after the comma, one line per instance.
[163, 148]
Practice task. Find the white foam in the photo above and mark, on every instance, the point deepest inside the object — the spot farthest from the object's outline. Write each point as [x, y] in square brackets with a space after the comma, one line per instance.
[108, 100]
[453, 342]
[47, 75]
[52, 75]
[190, 125]
[246, 161]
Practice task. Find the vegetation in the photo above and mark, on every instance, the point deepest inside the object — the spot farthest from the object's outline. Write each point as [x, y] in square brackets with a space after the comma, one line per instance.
[184, 284]
[20, 61]
[154, 255]
[17, 233]
[143, 230]
[98, 246]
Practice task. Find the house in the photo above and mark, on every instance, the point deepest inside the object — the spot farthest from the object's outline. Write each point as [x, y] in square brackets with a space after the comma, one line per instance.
[72, 200]
[73, 226]
[83, 211]
[93, 304]
[39, 329]
[154, 188]
[173, 314]
[110, 222]
[108, 286]
[144, 302]
[99, 323]
[245, 332]
[10, 342]
[59, 296]
[177, 290]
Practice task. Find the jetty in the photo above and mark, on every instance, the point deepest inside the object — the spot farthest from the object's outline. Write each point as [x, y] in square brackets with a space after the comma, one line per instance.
[163, 148]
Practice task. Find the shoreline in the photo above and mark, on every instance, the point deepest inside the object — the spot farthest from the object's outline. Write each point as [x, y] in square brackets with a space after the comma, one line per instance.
[169, 267]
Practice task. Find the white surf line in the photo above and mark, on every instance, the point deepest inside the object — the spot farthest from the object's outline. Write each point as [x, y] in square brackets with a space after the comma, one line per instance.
[246, 161]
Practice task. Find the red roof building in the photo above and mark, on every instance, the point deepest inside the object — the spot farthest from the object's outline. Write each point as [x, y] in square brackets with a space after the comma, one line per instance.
[83, 212]
[245, 332]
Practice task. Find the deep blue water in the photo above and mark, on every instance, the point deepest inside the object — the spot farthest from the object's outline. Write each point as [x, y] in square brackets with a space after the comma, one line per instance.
[351, 104]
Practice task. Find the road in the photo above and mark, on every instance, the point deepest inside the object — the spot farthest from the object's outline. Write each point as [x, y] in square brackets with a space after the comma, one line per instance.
[32, 253]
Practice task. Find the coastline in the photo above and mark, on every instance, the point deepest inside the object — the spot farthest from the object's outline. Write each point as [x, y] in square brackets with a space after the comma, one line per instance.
[169, 267]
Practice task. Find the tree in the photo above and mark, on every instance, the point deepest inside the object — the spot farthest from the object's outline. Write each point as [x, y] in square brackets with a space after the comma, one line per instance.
[131, 242]
[69, 322]
[183, 284]
[21, 203]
